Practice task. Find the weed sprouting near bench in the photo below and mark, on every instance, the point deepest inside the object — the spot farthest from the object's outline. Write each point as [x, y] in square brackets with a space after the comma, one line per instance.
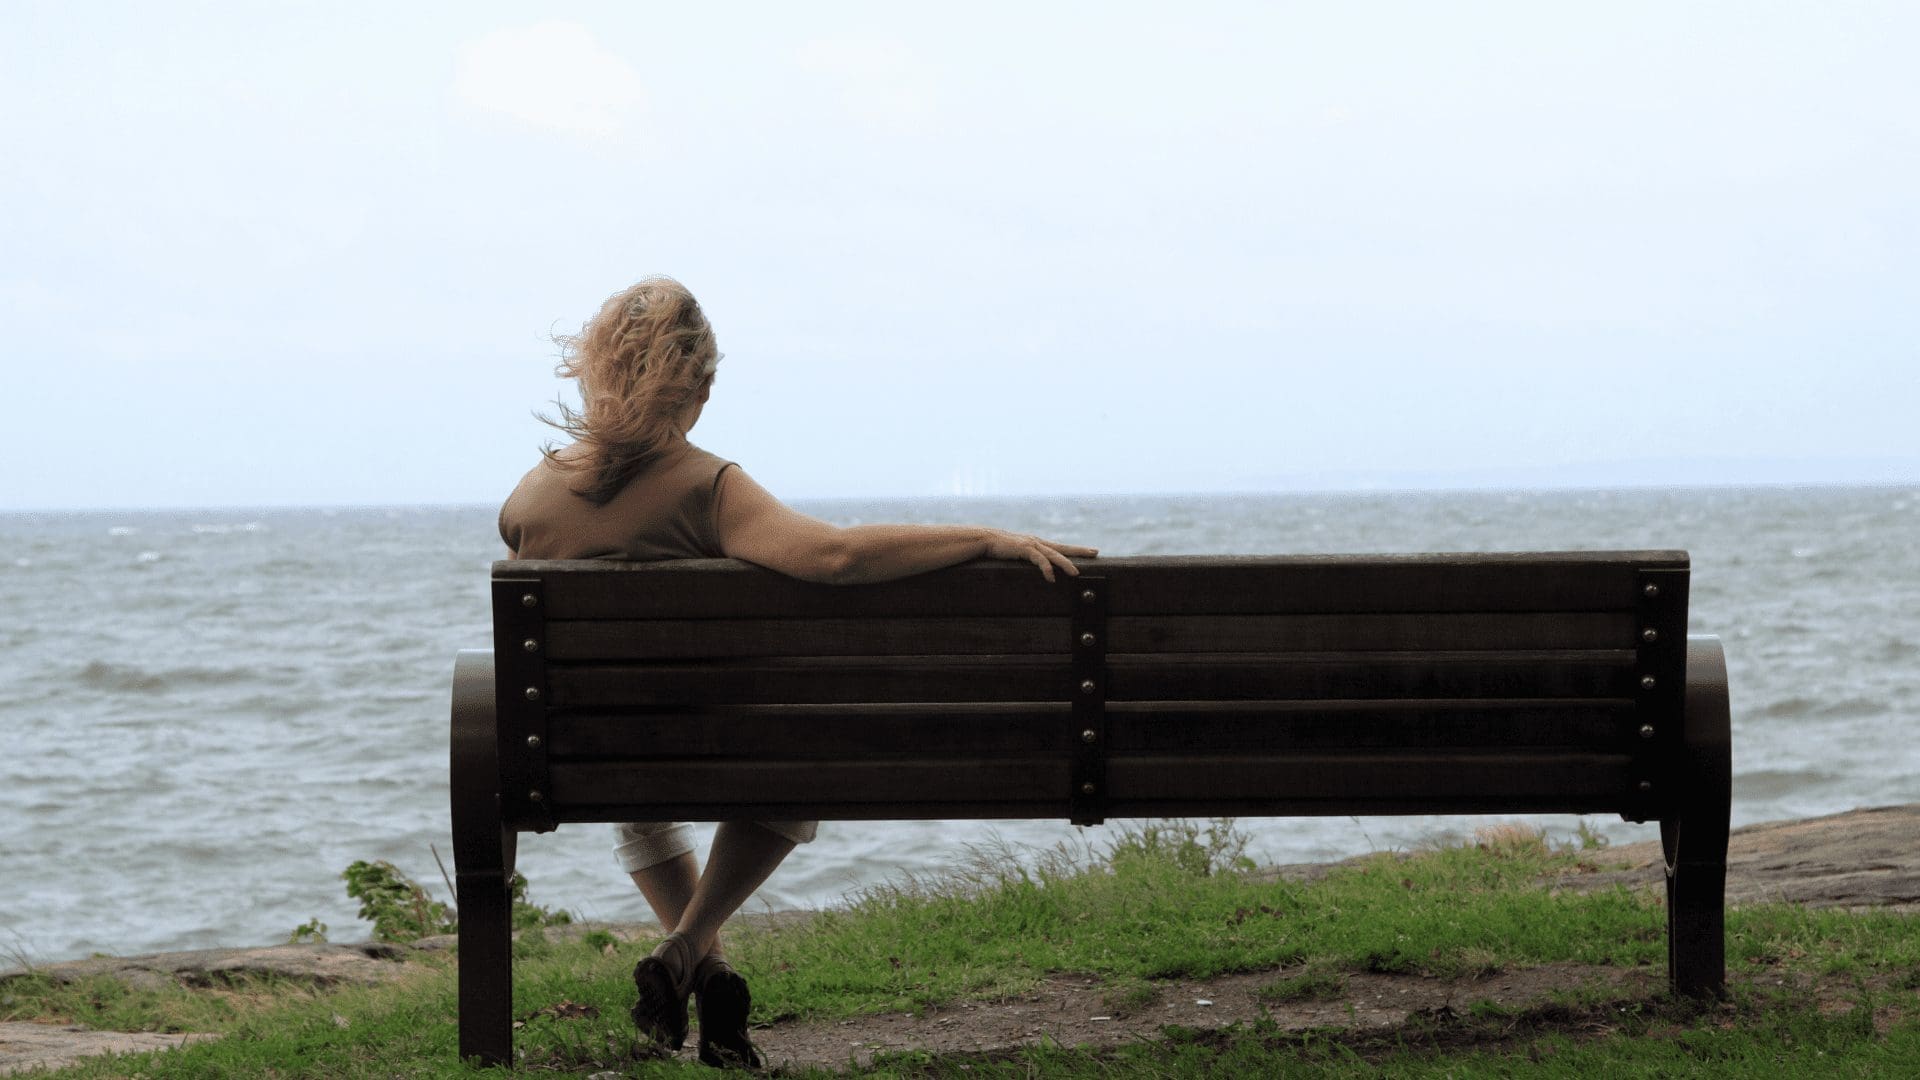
[402, 910]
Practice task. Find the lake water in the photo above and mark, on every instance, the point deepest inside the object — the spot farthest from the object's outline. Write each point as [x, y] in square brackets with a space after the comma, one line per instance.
[209, 714]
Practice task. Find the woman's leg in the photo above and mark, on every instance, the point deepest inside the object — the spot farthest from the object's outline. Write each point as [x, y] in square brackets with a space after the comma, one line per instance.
[658, 856]
[668, 886]
[744, 855]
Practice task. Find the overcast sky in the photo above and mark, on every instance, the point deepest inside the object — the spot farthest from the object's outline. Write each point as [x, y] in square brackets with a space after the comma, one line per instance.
[279, 254]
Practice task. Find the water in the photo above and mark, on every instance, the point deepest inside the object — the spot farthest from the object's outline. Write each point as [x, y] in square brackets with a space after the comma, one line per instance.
[208, 715]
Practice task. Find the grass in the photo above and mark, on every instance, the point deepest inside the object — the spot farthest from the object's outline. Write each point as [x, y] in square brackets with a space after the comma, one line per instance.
[1165, 901]
[1313, 984]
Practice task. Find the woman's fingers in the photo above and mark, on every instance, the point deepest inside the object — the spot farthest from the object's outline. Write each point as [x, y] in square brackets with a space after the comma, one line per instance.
[1071, 549]
[1060, 554]
[1037, 556]
[1045, 554]
[1047, 558]
[1061, 561]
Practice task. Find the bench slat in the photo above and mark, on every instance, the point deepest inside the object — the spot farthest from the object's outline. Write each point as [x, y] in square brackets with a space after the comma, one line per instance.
[1235, 677]
[1545, 673]
[707, 588]
[672, 639]
[917, 810]
[1421, 726]
[1533, 779]
[1011, 787]
[1213, 806]
[1386, 632]
[778, 732]
[813, 731]
[677, 639]
[690, 783]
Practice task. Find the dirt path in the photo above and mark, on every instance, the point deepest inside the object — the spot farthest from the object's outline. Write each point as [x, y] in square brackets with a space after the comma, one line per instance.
[26, 1046]
[1069, 1010]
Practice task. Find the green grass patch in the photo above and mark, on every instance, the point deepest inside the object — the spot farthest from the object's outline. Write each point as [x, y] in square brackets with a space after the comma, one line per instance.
[1313, 984]
[1005, 923]
[1164, 901]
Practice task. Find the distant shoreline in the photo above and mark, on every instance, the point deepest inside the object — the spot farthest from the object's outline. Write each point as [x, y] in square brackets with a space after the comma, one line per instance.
[1904, 475]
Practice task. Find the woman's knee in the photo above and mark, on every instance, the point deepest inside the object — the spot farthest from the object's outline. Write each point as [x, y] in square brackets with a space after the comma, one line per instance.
[799, 832]
[640, 844]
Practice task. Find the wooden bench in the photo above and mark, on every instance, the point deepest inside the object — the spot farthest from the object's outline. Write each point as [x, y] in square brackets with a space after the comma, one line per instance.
[1147, 687]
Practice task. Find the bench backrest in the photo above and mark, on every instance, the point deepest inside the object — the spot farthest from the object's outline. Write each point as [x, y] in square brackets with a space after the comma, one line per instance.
[1147, 687]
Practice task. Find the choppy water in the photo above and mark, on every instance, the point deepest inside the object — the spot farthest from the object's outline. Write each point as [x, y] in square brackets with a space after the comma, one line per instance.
[208, 715]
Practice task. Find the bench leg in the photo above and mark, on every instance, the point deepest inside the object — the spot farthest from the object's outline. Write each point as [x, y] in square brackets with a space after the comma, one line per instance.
[1694, 837]
[483, 856]
[1696, 916]
[486, 969]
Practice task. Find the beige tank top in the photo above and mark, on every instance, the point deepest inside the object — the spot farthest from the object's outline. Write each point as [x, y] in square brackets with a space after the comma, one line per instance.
[665, 512]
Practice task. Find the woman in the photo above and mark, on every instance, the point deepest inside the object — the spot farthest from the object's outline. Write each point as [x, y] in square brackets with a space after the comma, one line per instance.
[631, 486]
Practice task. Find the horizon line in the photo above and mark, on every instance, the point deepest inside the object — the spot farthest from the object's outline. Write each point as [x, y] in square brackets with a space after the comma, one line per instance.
[1355, 490]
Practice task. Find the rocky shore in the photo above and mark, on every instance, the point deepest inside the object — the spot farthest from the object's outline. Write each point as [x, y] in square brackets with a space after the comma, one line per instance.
[1857, 860]
[1860, 859]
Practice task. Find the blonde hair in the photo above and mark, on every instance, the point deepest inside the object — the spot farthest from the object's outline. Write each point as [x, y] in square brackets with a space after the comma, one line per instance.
[640, 362]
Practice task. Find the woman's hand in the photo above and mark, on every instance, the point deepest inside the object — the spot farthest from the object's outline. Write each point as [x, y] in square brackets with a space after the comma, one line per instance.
[1045, 554]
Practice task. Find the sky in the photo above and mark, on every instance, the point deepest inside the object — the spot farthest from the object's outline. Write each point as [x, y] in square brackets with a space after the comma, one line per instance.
[262, 254]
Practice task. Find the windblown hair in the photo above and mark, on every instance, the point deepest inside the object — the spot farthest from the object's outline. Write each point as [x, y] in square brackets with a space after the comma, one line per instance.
[640, 362]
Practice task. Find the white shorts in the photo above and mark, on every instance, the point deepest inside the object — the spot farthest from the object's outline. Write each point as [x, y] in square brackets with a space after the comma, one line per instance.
[640, 844]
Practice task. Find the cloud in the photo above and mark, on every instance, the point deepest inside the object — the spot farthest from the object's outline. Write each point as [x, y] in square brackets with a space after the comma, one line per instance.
[881, 81]
[552, 75]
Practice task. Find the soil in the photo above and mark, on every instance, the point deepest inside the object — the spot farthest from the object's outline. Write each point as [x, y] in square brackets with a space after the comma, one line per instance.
[1857, 860]
[1071, 1010]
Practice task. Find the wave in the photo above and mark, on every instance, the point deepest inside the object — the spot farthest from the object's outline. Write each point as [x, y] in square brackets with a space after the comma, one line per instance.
[1852, 708]
[1799, 707]
[127, 678]
[287, 565]
[1777, 783]
[1896, 650]
[1788, 707]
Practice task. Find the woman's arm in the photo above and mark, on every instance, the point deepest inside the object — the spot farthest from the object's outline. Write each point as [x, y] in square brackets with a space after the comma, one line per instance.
[760, 529]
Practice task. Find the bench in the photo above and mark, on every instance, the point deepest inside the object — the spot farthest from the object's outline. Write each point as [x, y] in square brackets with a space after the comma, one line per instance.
[1147, 687]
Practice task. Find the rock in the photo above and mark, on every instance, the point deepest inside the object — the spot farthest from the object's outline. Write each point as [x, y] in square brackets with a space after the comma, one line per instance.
[25, 1046]
[1857, 860]
[320, 964]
